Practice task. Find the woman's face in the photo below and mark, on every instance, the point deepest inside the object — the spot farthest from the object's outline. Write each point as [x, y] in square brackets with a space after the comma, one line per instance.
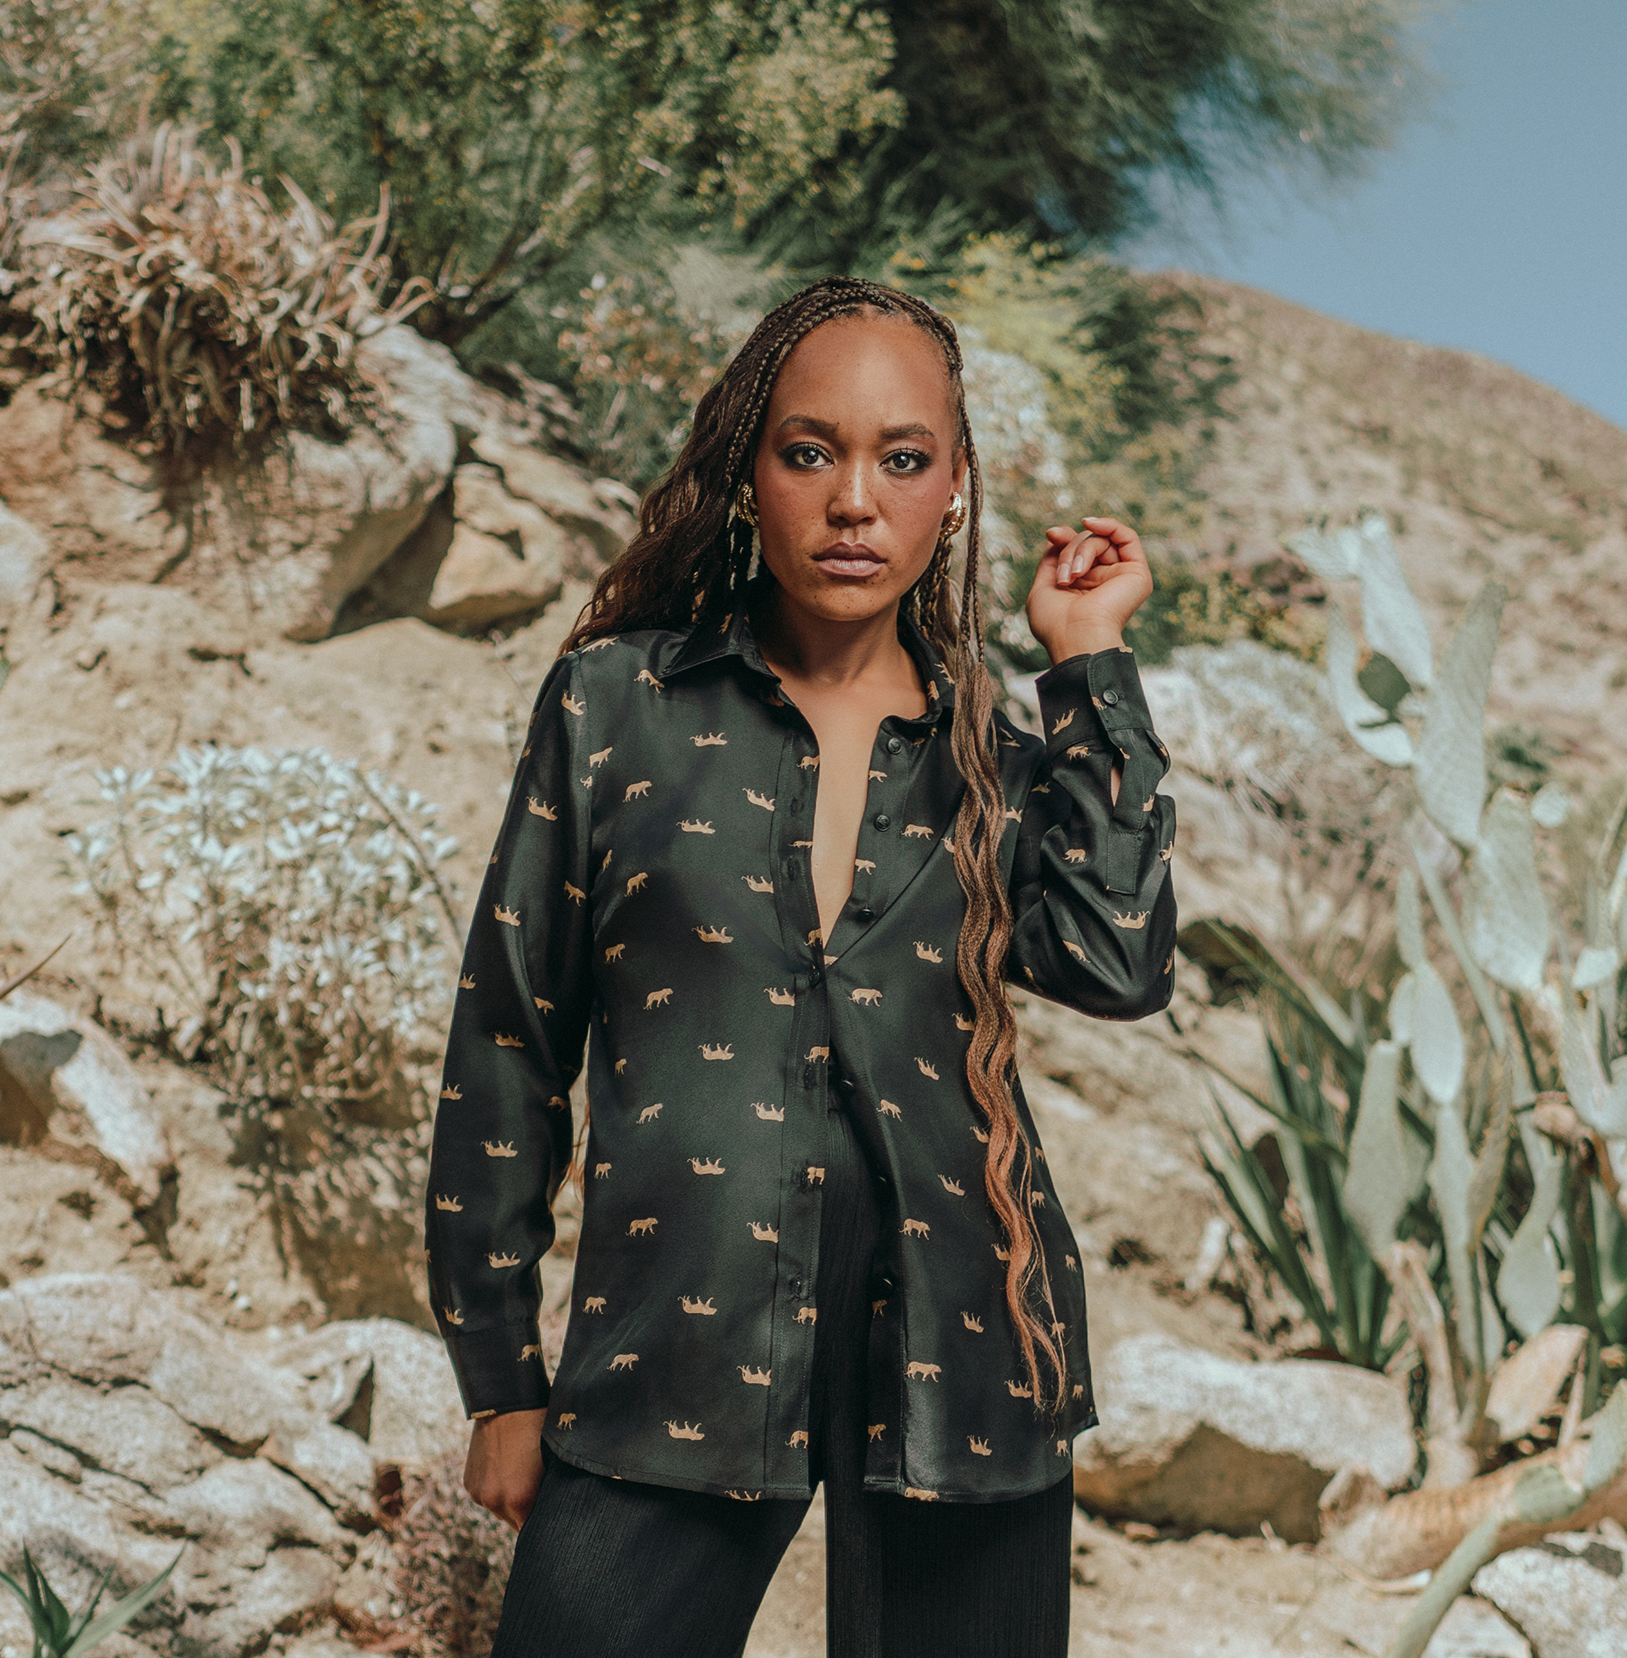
[857, 465]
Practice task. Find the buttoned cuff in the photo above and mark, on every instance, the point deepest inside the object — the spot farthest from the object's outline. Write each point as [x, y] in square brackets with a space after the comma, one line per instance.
[1106, 683]
[499, 1370]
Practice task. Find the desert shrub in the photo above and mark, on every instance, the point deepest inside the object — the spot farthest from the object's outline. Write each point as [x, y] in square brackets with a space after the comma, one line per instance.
[195, 308]
[452, 1560]
[288, 906]
[65, 90]
[640, 365]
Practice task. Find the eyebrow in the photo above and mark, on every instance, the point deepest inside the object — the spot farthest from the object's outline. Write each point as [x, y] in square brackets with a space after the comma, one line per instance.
[826, 429]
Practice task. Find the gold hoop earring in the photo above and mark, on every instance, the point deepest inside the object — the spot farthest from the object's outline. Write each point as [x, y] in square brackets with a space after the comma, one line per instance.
[745, 504]
[955, 520]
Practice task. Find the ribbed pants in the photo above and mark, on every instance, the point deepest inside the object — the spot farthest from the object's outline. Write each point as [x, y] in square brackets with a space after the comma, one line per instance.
[610, 1568]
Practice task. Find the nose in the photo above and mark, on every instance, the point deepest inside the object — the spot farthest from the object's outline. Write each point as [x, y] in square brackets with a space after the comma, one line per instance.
[852, 501]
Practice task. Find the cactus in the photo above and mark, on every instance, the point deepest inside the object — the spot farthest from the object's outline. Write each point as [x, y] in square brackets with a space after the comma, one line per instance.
[1541, 1496]
[1427, 1154]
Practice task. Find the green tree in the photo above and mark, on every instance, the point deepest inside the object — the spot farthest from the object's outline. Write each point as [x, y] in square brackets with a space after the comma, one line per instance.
[505, 132]
[1065, 111]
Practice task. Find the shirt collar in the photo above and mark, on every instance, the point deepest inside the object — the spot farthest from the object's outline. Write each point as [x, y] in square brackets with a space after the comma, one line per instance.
[712, 640]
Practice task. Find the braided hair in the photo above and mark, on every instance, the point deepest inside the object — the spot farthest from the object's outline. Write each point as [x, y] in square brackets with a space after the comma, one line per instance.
[688, 563]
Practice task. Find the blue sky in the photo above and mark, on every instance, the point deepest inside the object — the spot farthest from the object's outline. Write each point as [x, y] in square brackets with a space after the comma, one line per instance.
[1498, 223]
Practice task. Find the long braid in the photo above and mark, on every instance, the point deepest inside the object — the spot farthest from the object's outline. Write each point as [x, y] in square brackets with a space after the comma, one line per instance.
[688, 561]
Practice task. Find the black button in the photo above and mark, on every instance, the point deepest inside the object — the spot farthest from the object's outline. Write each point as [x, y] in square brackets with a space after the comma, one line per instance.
[807, 1076]
[866, 914]
[817, 977]
[1110, 697]
[888, 1284]
[882, 821]
[794, 1285]
[895, 745]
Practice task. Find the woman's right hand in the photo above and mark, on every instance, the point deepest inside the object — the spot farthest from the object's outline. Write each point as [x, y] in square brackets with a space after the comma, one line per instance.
[504, 1467]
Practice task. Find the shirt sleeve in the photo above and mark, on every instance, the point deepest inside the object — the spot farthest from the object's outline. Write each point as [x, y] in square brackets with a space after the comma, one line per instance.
[503, 1129]
[1092, 903]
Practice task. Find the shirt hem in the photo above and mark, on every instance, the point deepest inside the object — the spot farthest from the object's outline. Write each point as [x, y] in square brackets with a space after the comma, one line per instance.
[791, 1493]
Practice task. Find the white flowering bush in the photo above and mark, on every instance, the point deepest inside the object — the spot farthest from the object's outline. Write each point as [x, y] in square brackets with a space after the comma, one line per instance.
[289, 905]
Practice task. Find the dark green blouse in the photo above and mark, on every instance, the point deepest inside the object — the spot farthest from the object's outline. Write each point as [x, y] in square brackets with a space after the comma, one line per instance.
[650, 896]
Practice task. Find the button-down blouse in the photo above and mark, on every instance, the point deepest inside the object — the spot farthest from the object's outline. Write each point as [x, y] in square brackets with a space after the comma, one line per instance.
[651, 897]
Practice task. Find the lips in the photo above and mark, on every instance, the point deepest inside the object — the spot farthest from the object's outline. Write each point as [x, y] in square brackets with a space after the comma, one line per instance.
[849, 559]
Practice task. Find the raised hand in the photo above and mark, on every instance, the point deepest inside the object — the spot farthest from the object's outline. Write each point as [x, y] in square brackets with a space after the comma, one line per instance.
[1090, 582]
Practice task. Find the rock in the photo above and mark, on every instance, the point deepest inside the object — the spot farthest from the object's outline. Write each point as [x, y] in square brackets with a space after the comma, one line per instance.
[275, 544]
[124, 1430]
[1568, 1593]
[387, 1382]
[1196, 1441]
[1526, 1384]
[329, 513]
[75, 1530]
[24, 554]
[320, 1646]
[506, 556]
[334, 1463]
[294, 1585]
[138, 1429]
[109, 1331]
[243, 1509]
[598, 510]
[97, 501]
[65, 1082]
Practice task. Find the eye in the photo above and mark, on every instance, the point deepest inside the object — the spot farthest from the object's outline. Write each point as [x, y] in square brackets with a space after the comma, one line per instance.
[903, 462]
[805, 455]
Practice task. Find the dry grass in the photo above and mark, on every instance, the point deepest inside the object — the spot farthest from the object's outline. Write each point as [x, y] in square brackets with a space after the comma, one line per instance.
[451, 1568]
[195, 309]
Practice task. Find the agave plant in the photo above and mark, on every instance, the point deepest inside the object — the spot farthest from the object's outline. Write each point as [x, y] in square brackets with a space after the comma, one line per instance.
[1471, 1174]
[1474, 1160]
[59, 1633]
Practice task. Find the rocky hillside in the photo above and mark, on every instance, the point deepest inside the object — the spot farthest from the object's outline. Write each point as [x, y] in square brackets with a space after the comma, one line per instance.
[1480, 470]
[396, 597]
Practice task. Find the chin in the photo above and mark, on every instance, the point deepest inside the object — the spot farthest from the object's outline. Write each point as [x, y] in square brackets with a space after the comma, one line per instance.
[847, 599]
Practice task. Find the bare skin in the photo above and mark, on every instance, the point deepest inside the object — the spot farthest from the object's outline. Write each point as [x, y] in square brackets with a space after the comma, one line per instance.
[853, 479]
[856, 473]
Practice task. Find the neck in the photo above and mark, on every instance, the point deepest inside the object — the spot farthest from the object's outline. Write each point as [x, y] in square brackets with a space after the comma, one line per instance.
[817, 649]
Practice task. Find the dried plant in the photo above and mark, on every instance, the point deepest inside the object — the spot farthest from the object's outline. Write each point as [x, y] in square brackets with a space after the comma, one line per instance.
[195, 309]
[452, 1561]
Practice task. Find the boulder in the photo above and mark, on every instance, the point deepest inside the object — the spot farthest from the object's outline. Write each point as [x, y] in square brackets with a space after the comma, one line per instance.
[370, 523]
[65, 1083]
[386, 1381]
[100, 503]
[137, 1429]
[603, 511]
[1568, 1593]
[294, 1585]
[110, 1332]
[1192, 1440]
[24, 554]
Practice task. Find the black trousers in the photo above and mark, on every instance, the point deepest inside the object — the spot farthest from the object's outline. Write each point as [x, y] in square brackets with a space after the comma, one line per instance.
[610, 1568]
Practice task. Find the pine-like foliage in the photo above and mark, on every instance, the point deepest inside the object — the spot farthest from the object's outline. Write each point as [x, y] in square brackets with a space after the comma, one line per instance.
[507, 131]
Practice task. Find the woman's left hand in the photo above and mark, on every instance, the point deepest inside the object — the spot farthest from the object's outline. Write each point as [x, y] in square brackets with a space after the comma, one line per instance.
[1090, 583]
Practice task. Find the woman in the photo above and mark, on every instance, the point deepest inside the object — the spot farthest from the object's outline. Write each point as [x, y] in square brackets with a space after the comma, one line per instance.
[772, 856]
